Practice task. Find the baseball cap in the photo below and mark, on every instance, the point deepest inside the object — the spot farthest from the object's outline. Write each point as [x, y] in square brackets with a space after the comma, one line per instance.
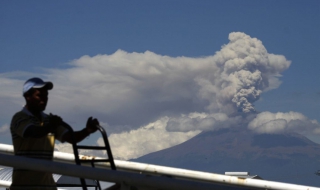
[36, 83]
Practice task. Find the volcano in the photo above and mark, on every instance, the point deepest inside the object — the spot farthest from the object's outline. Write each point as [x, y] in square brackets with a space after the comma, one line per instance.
[290, 157]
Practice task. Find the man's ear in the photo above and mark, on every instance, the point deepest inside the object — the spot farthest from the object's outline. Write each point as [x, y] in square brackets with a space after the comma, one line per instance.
[28, 94]
[27, 98]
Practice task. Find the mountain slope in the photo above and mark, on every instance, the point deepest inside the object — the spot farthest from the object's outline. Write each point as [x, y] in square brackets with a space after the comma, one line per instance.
[280, 157]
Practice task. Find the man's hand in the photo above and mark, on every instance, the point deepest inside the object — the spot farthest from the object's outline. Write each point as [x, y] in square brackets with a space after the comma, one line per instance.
[91, 127]
[92, 124]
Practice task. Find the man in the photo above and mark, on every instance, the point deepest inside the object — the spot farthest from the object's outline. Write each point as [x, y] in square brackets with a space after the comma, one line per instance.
[34, 133]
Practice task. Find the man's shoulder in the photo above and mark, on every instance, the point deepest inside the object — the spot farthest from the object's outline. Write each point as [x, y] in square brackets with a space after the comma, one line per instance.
[19, 115]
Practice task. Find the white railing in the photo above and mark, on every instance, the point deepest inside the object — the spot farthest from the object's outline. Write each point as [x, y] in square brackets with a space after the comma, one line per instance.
[139, 174]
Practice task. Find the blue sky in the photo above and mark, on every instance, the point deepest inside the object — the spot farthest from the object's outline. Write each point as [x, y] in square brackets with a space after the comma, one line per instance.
[46, 38]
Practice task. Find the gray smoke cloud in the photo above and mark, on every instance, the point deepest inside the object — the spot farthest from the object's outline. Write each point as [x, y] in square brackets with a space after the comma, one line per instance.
[245, 70]
[129, 90]
[150, 96]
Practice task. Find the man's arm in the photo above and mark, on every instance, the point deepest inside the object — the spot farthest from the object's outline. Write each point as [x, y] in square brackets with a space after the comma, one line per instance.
[37, 131]
[91, 127]
[34, 131]
[78, 136]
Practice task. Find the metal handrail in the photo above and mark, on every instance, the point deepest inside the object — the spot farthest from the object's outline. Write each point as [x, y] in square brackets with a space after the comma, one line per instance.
[75, 152]
[146, 180]
[107, 145]
[130, 173]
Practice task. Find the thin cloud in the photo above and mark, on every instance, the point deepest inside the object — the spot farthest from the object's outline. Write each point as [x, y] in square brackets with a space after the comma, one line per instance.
[267, 122]
[4, 129]
[150, 138]
[202, 121]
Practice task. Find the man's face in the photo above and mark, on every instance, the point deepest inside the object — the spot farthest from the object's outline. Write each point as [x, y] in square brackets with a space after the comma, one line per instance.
[37, 100]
